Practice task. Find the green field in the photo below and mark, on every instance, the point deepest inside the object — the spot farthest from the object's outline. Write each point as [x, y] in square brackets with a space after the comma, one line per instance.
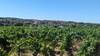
[47, 40]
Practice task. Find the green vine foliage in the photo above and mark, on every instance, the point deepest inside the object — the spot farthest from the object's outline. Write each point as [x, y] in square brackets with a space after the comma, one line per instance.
[44, 39]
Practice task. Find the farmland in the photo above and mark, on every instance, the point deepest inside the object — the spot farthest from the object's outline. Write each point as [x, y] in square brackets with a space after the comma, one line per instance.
[68, 39]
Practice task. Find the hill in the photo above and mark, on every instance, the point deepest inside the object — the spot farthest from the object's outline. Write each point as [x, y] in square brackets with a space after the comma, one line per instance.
[6, 21]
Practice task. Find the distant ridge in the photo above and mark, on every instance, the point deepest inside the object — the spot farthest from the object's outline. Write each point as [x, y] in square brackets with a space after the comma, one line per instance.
[6, 21]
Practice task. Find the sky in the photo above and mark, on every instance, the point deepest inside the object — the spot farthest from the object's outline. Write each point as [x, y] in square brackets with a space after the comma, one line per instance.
[65, 10]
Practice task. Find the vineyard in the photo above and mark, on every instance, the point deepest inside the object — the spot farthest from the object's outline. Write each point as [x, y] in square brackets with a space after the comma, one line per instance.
[45, 40]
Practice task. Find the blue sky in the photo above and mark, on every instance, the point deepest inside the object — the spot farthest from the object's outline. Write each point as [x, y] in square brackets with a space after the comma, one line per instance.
[66, 10]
